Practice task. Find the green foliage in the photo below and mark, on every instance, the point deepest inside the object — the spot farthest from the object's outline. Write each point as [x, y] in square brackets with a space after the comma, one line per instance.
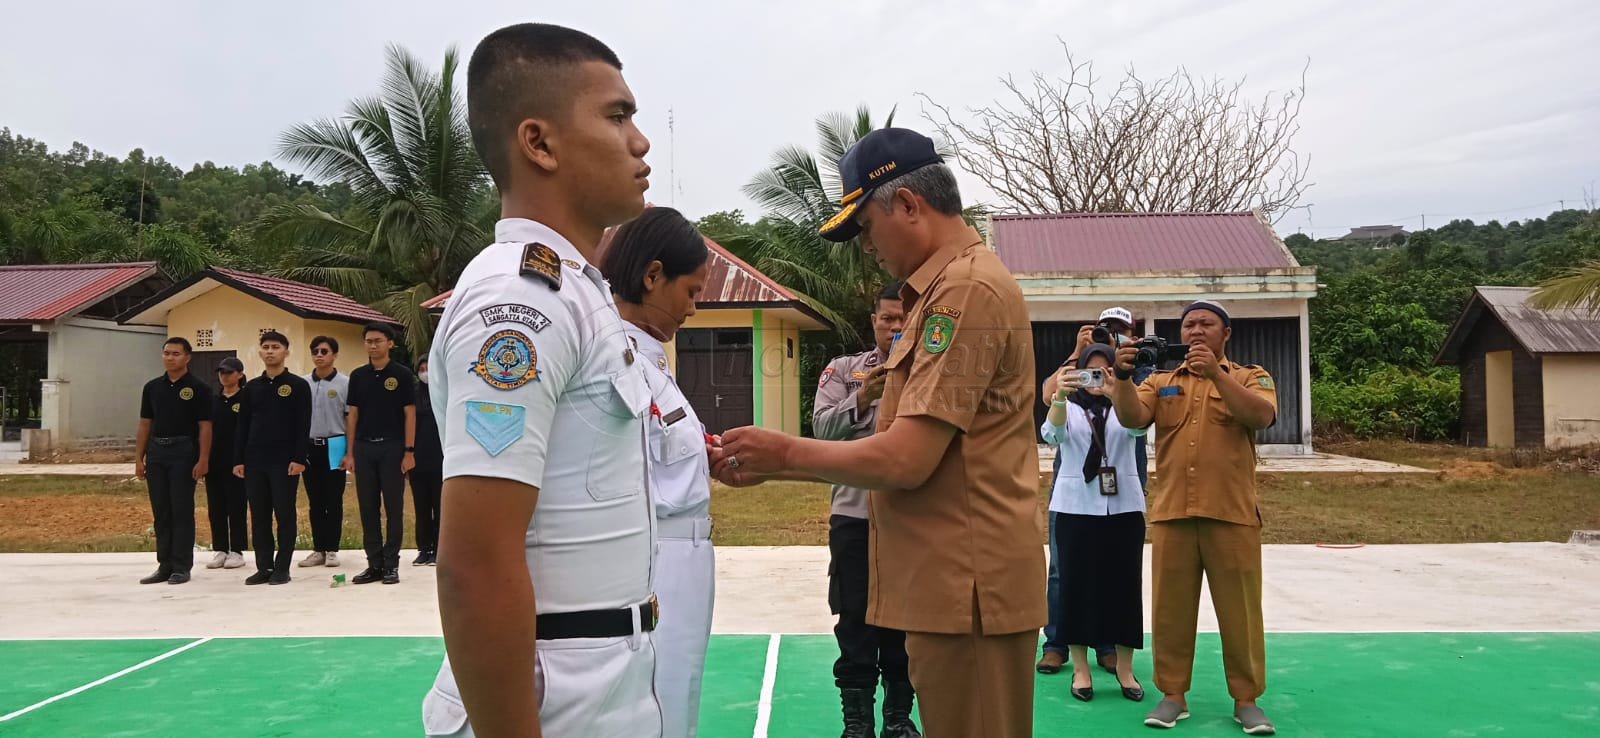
[1391, 402]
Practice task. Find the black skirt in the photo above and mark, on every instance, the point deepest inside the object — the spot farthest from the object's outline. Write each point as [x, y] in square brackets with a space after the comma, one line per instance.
[1102, 571]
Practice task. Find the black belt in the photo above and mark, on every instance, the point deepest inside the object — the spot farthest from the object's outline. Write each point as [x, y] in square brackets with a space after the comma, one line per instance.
[323, 441]
[598, 623]
[170, 440]
[375, 439]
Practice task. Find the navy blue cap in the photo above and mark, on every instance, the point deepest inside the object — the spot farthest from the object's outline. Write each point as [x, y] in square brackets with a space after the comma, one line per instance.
[875, 160]
[1208, 306]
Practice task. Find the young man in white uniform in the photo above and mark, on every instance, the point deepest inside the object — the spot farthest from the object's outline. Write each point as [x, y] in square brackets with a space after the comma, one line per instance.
[547, 540]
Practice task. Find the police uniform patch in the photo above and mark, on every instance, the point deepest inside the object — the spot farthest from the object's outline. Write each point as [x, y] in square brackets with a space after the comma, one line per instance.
[539, 260]
[514, 313]
[937, 333]
[943, 310]
[507, 361]
[827, 374]
[495, 426]
[391, 384]
[187, 393]
[285, 390]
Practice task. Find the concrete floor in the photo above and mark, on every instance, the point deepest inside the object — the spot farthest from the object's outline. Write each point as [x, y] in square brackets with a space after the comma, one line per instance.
[1312, 464]
[1463, 587]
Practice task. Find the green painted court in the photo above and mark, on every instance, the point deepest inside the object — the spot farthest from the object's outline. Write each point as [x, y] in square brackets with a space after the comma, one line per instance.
[1405, 684]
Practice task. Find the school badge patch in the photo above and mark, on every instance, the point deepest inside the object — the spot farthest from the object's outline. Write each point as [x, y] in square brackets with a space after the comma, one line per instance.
[235, 407]
[391, 384]
[937, 333]
[507, 361]
[187, 393]
[493, 425]
[285, 390]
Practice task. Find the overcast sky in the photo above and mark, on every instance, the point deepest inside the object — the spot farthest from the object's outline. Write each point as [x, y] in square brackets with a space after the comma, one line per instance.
[1453, 109]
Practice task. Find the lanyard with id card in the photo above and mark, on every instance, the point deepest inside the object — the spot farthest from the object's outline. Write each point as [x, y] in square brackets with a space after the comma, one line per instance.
[1108, 473]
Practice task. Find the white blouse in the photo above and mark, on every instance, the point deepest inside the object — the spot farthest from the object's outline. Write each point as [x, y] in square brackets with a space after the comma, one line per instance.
[680, 472]
[1073, 495]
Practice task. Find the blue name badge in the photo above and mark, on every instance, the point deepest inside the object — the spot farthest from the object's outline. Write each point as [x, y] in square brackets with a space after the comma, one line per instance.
[1170, 390]
[495, 426]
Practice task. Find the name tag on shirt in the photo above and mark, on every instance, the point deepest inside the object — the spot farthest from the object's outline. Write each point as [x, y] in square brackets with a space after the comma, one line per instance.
[674, 416]
[1171, 390]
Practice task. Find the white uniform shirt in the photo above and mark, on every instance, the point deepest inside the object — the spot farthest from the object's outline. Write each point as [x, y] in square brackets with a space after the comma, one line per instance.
[680, 472]
[541, 386]
[1073, 495]
[329, 403]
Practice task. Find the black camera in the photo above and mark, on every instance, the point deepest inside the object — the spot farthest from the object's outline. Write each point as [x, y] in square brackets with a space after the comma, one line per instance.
[1155, 350]
[1104, 333]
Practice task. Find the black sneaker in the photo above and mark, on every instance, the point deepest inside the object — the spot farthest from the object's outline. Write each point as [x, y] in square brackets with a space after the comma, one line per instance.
[367, 576]
[260, 577]
[433, 558]
[279, 578]
[421, 559]
[391, 576]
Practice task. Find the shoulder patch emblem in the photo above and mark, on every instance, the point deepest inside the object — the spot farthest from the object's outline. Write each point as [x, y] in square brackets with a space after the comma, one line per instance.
[507, 361]
[937, 333]
[285, 390]
[539, 260]
[942, 310]
[514, 313]
[827, 374]
[187, 393]
[1265, 381]
[495, 426]
[391, 384]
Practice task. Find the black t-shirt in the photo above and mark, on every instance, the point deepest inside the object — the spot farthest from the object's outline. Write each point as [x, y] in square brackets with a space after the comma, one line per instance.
[430, 452]
[381, 396]
[224, 427]
[274, 421]
[175, 408]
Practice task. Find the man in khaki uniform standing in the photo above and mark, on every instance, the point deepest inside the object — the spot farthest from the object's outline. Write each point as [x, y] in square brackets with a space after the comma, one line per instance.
[955, 537]
[1204, 514]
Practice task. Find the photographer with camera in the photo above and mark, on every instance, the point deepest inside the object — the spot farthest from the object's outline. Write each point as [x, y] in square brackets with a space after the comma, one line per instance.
[1204, 513]
[1097, 507]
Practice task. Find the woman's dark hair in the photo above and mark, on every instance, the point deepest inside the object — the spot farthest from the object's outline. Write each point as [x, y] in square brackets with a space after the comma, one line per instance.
[1096, 348]
[660, 234]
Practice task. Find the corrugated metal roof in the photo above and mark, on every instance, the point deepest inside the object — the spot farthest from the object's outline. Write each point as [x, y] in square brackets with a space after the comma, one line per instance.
[307, 297]
[42, 292]
[1564, 331]
[1076, 243]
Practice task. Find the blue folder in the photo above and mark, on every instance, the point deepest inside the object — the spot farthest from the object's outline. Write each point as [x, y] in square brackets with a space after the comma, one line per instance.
[335, 451]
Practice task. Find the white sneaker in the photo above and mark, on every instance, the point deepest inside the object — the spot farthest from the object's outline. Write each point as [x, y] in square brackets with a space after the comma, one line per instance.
[314, 559]
[235, 560]
[218, 560]
[332, 559]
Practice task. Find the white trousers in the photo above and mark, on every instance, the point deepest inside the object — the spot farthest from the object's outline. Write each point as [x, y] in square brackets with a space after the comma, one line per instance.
[587, 688]
[685, 587]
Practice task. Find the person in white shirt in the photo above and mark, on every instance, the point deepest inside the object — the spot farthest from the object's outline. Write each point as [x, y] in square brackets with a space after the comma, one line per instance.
[324, 480]
[657, 266]
[547, 541]
[1098, 506]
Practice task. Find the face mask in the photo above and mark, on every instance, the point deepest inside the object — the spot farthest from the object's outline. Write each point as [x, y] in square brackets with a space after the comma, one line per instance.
[423, 376]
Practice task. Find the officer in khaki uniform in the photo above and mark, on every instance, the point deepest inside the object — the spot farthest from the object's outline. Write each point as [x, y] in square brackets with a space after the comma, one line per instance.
[1204, 514]
[955, 535]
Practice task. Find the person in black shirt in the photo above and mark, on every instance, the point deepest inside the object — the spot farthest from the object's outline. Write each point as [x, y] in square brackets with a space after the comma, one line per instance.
[427, 479]
[270, 454]
[382, 428]
[225, 497]
[171, 453]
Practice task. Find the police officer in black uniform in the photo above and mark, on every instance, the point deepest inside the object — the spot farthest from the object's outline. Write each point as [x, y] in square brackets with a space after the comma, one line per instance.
[171, 453]
[382, 428]
[273, 437]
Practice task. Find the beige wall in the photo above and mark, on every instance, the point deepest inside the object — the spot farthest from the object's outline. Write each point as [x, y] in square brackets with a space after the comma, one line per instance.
[96, 371]
[352, 353]
[1500, 412]
[776, 373]
[236, 321]
[1571, 404]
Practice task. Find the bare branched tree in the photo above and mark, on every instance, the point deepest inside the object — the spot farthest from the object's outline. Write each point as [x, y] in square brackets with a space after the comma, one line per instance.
[1178, 144]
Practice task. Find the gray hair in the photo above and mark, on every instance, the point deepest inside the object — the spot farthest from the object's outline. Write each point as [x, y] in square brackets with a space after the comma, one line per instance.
[934, 183]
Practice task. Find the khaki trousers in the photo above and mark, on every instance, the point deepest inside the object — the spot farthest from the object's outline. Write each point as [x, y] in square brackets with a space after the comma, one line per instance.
[1229, 558]
[972, 685]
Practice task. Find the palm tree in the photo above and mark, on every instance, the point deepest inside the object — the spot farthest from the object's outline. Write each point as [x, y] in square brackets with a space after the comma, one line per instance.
[1579, 286]
[422, 198]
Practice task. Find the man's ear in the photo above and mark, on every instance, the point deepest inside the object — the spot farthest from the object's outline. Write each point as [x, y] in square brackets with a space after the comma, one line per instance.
[907, 203]
[534, 143]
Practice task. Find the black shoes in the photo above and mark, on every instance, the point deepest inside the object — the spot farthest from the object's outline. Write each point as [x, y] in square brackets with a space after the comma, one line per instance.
[279, 578]
[260, 577]
[367, 576]
[391, 576]
[1134, 693]
[897, 699]
[160, 576]
[425, 558]
[858, 717]
[178, 577]
[1083, 694]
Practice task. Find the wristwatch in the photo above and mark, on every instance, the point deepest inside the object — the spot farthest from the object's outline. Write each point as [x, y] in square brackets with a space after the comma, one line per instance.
[411, 449]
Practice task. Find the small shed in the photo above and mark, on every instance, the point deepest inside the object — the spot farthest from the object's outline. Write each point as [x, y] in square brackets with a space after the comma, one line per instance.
[1527, 375]
[1073, 265]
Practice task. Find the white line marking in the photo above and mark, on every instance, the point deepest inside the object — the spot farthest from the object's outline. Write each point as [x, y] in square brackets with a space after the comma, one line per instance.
[768, 680]
[104, 679]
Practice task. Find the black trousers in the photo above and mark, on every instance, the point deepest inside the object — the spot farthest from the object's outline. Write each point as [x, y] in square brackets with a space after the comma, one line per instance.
[324, 500]
[1102, 593]
[169, 475]
[426, 484]
[381, 490]
[226, 503]
[272, 493]
[865, 651]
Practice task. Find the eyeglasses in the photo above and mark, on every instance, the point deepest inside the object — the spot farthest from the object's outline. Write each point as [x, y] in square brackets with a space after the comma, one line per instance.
[322, 352]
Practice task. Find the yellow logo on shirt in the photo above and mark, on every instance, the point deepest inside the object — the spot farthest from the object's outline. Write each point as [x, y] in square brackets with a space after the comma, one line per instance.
[285, 391]
[187, 393]
[334, 394]
[391, 384]
[236, 407]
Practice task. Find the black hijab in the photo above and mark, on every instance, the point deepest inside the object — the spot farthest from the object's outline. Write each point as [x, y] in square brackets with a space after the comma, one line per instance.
[1097, 407]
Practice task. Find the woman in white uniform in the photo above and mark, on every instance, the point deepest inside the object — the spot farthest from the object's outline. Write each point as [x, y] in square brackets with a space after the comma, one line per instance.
[656, 265]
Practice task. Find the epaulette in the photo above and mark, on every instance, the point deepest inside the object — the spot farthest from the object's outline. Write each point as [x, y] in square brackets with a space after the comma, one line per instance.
[539, 260]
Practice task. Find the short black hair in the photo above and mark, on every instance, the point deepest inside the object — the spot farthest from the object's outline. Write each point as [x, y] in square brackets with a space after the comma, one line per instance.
[890, 291]
[519, 72]
[333, 343]
[660, 234]
[380, 328]
[180, 342]
[275, 336]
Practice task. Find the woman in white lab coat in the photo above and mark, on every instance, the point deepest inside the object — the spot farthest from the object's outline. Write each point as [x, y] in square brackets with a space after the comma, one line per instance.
[656, 265]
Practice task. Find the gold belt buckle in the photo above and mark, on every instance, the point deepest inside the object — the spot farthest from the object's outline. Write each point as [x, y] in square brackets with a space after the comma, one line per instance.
[655, 612]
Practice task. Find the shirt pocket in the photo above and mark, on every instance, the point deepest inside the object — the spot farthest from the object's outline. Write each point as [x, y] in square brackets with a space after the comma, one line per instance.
[1217, 410]
[675, 443]
[613, 472]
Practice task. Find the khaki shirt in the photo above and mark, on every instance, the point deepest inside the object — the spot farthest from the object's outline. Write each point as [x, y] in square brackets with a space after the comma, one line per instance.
[1205, 459]
[834, 417]
[971, 534]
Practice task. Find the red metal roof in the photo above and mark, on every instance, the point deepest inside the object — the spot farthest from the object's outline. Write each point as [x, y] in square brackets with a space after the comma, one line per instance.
[307, 297]
[1137, 242]
[41, 292]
